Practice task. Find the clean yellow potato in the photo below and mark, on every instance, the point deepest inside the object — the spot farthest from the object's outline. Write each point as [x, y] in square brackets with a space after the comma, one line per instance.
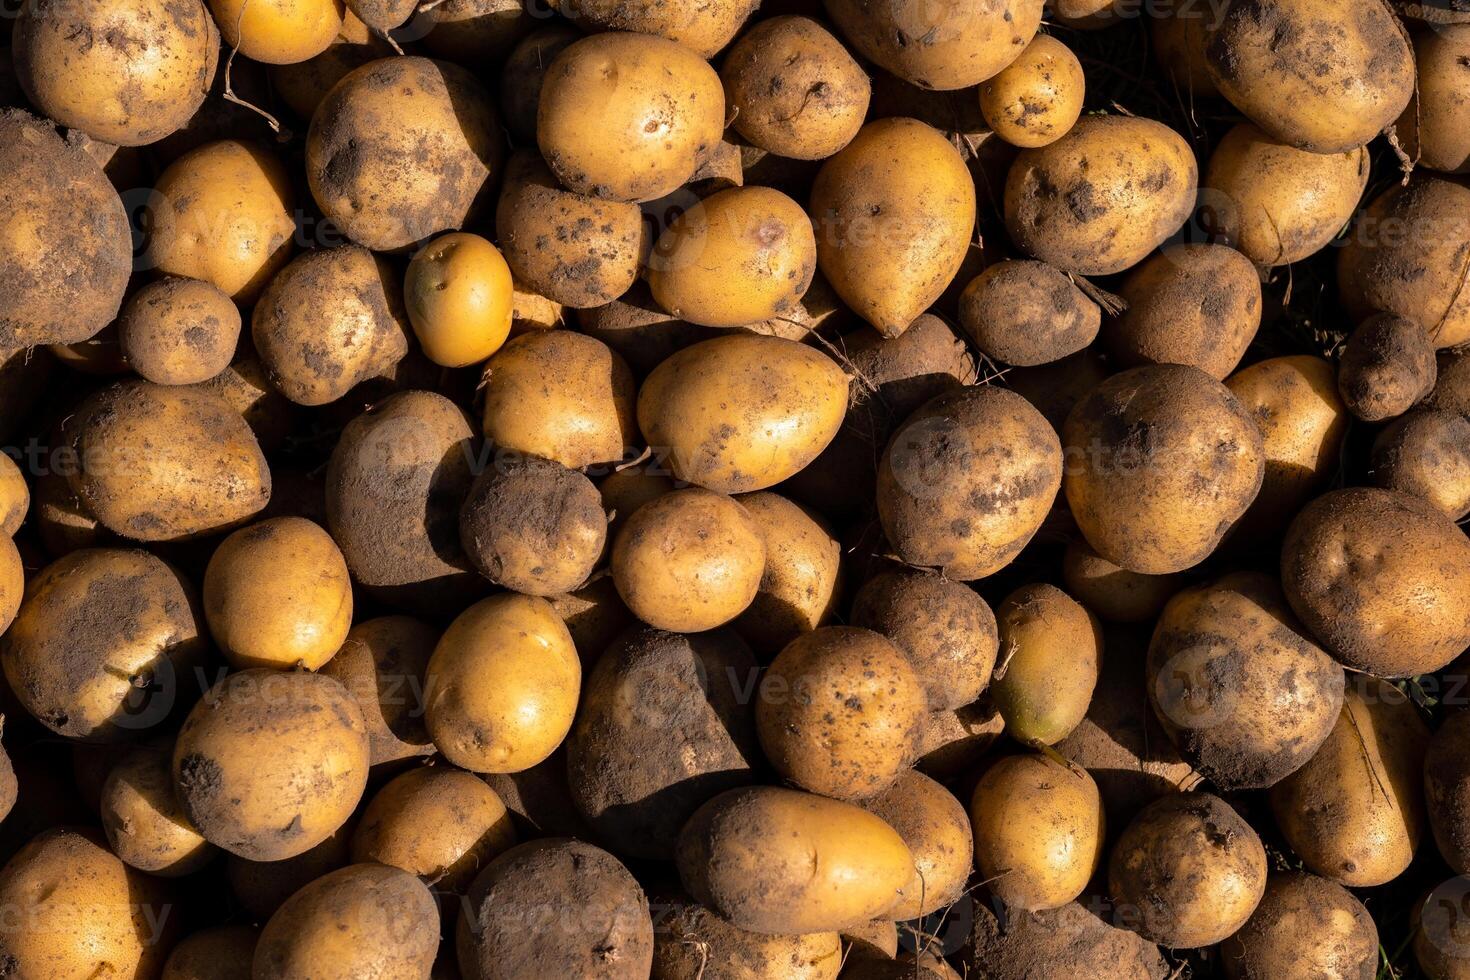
[800, 588]
[940, 45]
[179, 331]
[1050, 652]
[1035, 99]
[144, 823]
[460, 297]
[278, 32]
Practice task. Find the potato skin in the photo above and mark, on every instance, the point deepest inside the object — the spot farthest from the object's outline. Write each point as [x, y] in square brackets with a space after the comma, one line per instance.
[382, 664]
[747, 855]
[1305, 927]
[1426, 452]
[1138, 189]
[704, 28]
[1435, 123]
[303, 85]
[278, 32]
[1072, 940]
[1050, 650]
[179, 331]
[1035, 99]
[936, 828]
[144, 823]
[803, 576]
[1387, 366]
[951, 46]
[690, 941]
[1026, 313]
[1407, 611]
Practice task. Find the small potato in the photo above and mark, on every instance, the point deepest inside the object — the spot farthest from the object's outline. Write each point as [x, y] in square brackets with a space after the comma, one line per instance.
[1035, 99]
[800, 586]
[1050, 648]
[748, 855]
[402, 149]
[220, 953]
[104, 644]
[144, 823]
[179, 331]
[692, 942]
[1070, 941]
[270, 764]
[794, 89]
[1426, 452]
[840, 712]
[704, 28]
[1190, 304]
[894, 213]
[303, 85]
[262, 886]
[953, 741]
[1305, 928]
[1112, 592]
[1446, 781]
[1027, 313]
[1241, 690]
[278, 32]
[689, 561]
[1435, 127]
[1038, 831]
[1278, 204]
[1382, 578]
[594, 918]
[476, 32]
[1387, 367]
[1162, 461]
[223, 213]
[1355, 812]
[936, 829]
[502, 685]
[460, 297]
[947, 46]
[15, 497]
[523, 73]
[967, 480]
[1137, 190]
[277, 594]
[363, 920]
[1190, 869]
[593, 123]
[561, 396]
[382, 664]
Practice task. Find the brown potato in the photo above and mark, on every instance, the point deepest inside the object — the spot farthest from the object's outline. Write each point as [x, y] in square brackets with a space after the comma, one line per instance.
[947, 46]
[1426, 452]
[1050, 649]
[1446, 782]
[1387, 366]
[691, 942]
[382, 664]
[179, 331]
[1305, 927]
[1027, 313]
[278, 32]
[220, 953]
[1112, 592]
[143, 820]
[936, 829]
[304, 84]
[1035, 99]
[801, 583]
[1452, 383]
[1070, 941]
[524, 72]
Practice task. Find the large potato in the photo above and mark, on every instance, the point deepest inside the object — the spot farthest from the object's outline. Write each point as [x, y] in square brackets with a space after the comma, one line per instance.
[1305, 928]
[1050, 649]
[935, 827]
[693, 943]
[800, 587]
[894, 213]
[143, 820]
[382, 665]
[938, 46]
[701, 27]
[1137, 188]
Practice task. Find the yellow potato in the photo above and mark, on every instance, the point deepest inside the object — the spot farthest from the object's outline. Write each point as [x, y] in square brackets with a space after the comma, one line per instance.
[460, 297]
[1113, 592]
[935, 827]
[1035, 99]
[278, 32]
[1050, 650]
[690, 937]
[1305, 928]
[12, 582]
[799, 590]
[938, 46]
[179, 331]
[144, 823]
[1435, 127]
[1427, 453]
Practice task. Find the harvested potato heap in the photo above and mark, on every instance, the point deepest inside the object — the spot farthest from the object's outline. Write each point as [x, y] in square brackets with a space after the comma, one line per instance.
[723, 490]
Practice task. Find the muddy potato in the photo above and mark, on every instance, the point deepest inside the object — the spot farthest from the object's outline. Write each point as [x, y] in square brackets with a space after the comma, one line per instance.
[1110, 591]
[936, 829]
[1137, 190]
[1382, 578]
[1387, 366]
[179, 331]
[799, 588]
[967, 480]
[1038, 831]
[1452, 383]
[949, 46]
[1355, 812]
[1160, 504]
[143, 820]
[1026, 313]
[561, 396]
[262, 886]
[840, 712]
[1035, 99]
[747, 855]
[894, 213]
[460, 299]
[269, 764]
[304, 84]
[1426, 452]
[596, 915]
[382, 664]
[1446, 789]
[1305, 927]
[1050, 649]
[692, 943]
[704, 28]
[1191, 869]
[218, 953]
[594, 127]
[1241, 689]
[15, 497]
[1070, 941]
[664, 725]
[502, 685]
[278, 32]
[402, 149]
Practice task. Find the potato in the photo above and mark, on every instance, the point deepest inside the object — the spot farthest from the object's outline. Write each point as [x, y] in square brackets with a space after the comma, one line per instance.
[1178, 34]
[1070, 941]
[1035, 99]
[1038, 831]
[948, 46]
[1402, 256]
[460, 297]
[1241, 690]
[1050, 650]
[303, 85]
[954, 740]
[1446, 782]
[1191, 870]
[1303, 422]
[77, 911]
[691, 942]
[502, 685]
[1305, 927]
[1433, 127]
[179, 331]
[278, 32]
[1026, 313]
[1055, 388]
[704, 28]
[12, 583]
[1452, 383]
[1271, 60]
[595, 916]
[66, 236]
[895, 213]
[144, 823]
[802, 578]
[402, 149]
[748, 855]
[383, 15]
[689, 561]
[1355, 812]
[15, 497]
[1426, 452]
[1190, 304]
[665, 724]
[103, 644]
[1138, 189]
[382, 665]
[1162, 460]
[561, 396]
[244, 385]
[394, 487]
[840, 712]
[220, 953]
[262, 886]
[593, 124]
[1111, 592]
[269, 764]
[1382, 578]
[967, 480]
[1387, 366]
[794, 89]
[362, 920]
[524, 71]
[936, 829]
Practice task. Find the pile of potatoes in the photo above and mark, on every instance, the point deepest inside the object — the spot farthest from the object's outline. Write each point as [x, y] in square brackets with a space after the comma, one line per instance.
[735, 490]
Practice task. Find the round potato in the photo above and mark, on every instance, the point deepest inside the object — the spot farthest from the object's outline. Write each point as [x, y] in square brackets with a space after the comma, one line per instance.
[967, 480]
[270, 764]
[1435, 127]
[1446, 788]
[1027, 313]
[1112, 592]
[1426, 452]
[1305, 927]
[303, 85]
[895, 214]
[942, 46]
[524, 72]
[382, 664]
[704, 28]
[220, 953]
[1387, 367]
[502, 685]
[1050, 648]
[179, 331]
[460, 298]
[936, 829]
[800, 586]
[1137, 190]
[1035, 99]
[1382, 578]
[594, 126]
[1190, 868]
[1073, 940]
[262, 886]
[1162, 460]
[278, 32]
[143, 820]
[693, 942]
[15, 497]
